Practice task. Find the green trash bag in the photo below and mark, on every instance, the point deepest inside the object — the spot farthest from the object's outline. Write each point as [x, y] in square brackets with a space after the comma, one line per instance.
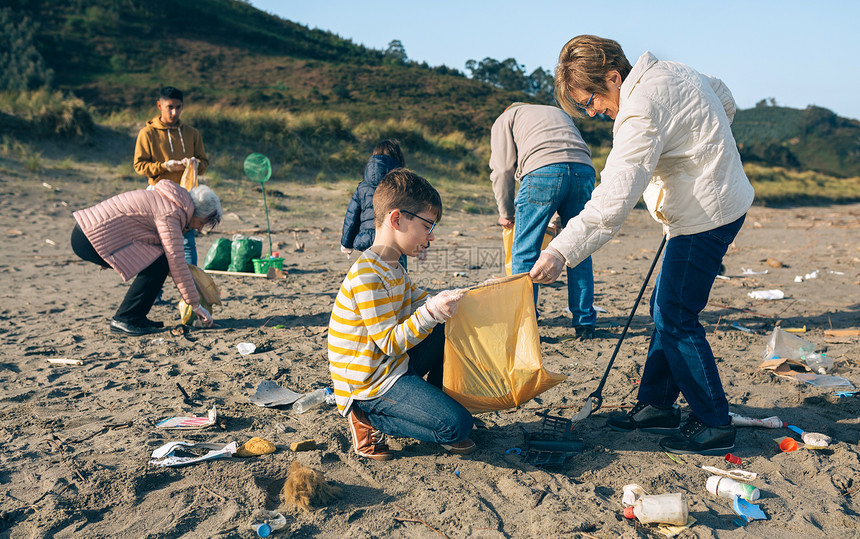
[218, 257]
[242, 252]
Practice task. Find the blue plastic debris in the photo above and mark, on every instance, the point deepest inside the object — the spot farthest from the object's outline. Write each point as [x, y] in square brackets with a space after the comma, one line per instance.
[747, 510]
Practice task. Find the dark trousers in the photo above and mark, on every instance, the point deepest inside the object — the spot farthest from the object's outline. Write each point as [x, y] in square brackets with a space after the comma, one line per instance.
[680, 359]
[143, 290]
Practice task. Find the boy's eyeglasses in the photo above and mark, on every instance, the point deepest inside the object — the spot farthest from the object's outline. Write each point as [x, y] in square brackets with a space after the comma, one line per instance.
[587, 103]
[429, 222]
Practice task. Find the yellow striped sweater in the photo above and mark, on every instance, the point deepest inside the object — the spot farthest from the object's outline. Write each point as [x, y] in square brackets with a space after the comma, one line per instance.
[377, 316]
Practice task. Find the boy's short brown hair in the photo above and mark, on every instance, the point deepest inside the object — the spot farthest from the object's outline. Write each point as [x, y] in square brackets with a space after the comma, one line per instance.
[402, 189]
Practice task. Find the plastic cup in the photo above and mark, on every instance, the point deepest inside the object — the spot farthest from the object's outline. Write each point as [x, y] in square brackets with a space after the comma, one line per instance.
[733, 459]
[788, 445]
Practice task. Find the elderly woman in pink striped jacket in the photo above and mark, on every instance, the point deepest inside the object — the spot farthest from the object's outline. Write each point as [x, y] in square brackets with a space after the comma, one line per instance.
[139, 233]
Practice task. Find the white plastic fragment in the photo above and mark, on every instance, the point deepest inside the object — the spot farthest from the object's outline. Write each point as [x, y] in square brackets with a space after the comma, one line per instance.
[767, 294]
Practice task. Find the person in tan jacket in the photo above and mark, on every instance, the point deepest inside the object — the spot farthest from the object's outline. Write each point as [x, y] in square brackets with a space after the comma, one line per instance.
[139, 234]
[166, 146]
[539, 147]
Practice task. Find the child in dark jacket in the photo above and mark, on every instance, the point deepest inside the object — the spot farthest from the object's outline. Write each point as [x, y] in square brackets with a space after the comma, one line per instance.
[358, 228]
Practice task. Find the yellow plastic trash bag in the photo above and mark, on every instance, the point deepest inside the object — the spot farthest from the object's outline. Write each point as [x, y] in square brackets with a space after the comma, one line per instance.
[189, 176]
[207, 290]
[492, 348]
[508, 245]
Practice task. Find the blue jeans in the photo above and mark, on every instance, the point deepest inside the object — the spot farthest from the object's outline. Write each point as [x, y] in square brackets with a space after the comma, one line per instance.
[419, 409]
[562, 188]
[190, 245]
[679, 357]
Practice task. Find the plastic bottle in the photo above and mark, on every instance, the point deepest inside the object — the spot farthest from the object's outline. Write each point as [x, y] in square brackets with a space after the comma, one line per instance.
[725, 487]
[662, 509]
[309, 400]
[329, 396]
[819, 363]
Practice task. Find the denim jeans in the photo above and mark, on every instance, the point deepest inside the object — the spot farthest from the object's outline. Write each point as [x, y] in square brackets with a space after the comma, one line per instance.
[190, 244]
[419, 409]
[562, 188]
[679, 357]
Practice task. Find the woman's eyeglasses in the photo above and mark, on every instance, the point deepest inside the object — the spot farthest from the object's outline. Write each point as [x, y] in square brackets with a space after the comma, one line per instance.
[587, 105]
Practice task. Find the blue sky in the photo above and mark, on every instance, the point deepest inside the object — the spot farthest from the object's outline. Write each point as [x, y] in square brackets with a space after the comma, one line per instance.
[799, 53]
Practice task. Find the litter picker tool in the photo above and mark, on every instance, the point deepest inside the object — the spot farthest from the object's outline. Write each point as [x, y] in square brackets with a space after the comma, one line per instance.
[595, 400]
[258, 168]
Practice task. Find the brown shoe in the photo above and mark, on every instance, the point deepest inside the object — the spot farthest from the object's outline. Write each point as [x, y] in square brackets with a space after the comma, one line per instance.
[367, 441]
[461, 448]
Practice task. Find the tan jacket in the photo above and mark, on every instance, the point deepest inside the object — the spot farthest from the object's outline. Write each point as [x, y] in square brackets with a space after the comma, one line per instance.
[525, 138]
[158, 143]
[672, 144]
[131, 230]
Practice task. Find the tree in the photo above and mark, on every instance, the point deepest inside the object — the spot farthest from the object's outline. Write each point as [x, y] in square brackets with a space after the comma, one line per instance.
[510, 75]
[541, 84]
[395, 53]
[22, 67]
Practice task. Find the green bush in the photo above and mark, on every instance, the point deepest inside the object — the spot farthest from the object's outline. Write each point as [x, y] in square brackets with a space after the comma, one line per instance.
[49, 113]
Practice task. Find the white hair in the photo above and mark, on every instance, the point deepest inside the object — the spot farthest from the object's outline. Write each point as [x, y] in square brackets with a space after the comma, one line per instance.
[206, 205]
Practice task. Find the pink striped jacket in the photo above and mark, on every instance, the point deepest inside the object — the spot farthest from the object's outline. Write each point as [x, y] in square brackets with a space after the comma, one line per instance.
[131, 230]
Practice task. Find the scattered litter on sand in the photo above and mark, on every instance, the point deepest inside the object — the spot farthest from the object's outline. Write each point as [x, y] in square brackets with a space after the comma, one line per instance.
[189, 422]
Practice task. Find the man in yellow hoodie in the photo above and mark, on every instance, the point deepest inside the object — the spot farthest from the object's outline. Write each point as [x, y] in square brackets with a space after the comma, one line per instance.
[166, 146]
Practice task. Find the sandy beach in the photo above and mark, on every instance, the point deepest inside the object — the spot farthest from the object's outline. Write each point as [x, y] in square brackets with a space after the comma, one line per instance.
[77, 439]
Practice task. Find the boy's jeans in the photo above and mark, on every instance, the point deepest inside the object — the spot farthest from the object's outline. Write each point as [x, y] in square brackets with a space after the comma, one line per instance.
[562, 188]
[419, 409]
[679, 357]
[190, 244]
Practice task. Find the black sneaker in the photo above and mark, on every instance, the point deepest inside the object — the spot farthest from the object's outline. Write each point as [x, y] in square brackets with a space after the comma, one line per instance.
[584, 333]
[647, 418]
[697, 438]
[130, 329]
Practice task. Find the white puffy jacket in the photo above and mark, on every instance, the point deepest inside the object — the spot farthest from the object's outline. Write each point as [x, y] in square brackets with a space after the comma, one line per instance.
[673, 144]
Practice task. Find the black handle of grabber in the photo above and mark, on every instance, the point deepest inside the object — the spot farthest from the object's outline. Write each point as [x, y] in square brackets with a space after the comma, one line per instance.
[596, 396]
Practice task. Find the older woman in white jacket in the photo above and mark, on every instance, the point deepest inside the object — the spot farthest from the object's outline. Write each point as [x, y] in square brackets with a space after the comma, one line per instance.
[672, 144]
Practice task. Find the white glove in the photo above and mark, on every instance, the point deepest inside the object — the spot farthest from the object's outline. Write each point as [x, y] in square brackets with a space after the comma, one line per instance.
[174, 166]
[345, 251]
[444, 305]
[203, 315]
[548, 266]
[188, 161]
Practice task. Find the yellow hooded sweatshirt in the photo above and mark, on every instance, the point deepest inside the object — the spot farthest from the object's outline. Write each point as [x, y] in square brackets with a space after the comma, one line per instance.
[157, 143]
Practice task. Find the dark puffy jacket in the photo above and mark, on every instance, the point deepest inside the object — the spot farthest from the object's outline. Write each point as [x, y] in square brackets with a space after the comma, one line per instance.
[358, 229]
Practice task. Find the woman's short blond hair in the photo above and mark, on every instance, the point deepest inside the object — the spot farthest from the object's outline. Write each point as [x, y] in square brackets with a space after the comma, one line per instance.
[583, 64]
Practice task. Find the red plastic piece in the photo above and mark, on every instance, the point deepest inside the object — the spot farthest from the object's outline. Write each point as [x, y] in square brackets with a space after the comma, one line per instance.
[733, 459]
[788, 445]
[628, 513]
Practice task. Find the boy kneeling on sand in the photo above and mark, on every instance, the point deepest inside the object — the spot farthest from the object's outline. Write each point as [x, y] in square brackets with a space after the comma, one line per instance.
[379, 315]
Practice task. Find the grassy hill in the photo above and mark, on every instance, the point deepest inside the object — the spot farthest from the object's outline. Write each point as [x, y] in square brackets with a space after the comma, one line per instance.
[812, 139]
[315, 102]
